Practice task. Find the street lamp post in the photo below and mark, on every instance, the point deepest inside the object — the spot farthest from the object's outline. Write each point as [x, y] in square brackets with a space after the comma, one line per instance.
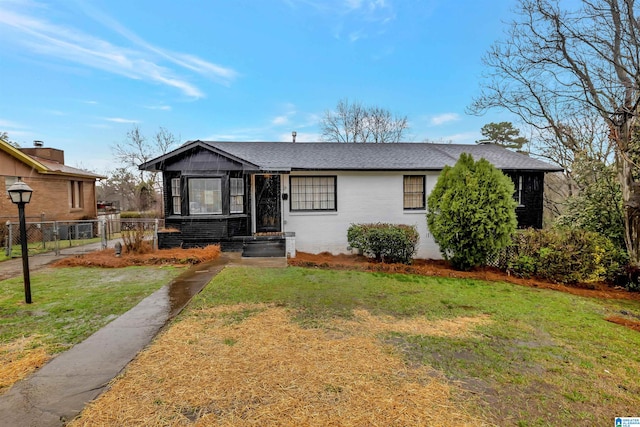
[20, 194]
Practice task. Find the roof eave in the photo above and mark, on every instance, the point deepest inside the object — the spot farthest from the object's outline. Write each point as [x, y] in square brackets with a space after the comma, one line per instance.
[24, 158]
[154, 164]
[74, 174]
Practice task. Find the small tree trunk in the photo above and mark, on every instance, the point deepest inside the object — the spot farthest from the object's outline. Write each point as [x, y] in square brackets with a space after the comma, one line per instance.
[630, 189]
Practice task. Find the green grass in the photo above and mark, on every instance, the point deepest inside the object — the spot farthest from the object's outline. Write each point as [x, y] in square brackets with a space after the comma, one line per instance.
[33, 248]
[69, 304]
[546, 358]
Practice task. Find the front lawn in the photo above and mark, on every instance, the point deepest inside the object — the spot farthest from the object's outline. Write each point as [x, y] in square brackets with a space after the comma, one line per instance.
[69, 304]
[320, 347]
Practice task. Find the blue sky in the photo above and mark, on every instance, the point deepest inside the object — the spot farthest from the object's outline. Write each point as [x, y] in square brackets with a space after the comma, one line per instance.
[79, 74]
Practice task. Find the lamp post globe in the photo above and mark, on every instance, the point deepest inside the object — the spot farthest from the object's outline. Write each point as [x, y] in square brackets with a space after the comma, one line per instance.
[20, 194]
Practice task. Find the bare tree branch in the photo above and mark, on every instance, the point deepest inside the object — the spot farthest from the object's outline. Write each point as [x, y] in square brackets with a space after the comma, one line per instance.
[353, 122]
[572, 72]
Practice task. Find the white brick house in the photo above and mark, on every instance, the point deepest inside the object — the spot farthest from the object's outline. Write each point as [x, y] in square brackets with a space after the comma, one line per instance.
[240, 194]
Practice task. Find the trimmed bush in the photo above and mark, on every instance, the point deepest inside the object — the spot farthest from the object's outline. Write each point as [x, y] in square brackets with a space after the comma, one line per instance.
[471, 212]
[566, 256]
[388, 243]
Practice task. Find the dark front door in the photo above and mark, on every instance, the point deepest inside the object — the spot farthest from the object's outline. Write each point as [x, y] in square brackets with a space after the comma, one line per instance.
[268, 203]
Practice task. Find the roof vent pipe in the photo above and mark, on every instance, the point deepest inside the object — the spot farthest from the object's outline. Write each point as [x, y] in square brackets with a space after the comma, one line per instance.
[293, 135]
[38, 143]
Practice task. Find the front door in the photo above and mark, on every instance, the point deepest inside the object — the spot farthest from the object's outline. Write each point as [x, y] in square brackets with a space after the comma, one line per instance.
[268, 203]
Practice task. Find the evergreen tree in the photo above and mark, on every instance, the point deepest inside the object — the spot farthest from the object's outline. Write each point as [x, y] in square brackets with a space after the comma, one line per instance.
[503, 134]
[471, 212]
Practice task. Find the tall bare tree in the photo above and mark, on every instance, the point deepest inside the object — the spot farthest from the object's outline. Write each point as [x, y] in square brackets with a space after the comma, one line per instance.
[134, 151]
[354, 122]
[563, 61]
[137, 149]
[164, 141]
[121, 187]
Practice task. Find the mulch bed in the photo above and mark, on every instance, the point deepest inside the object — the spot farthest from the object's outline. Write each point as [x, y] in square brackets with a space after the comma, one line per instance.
[107, 258]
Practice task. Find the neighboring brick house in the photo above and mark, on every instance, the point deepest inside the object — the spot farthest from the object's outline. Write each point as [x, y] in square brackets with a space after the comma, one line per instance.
[60, 192]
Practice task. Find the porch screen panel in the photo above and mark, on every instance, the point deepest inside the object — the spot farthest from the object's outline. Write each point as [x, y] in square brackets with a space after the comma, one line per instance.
[205, 196]
[237, 195]
[413, 192]
[313, 193]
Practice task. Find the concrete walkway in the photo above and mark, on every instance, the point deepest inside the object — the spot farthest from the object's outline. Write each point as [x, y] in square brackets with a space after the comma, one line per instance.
[59, 391]
[13, 267]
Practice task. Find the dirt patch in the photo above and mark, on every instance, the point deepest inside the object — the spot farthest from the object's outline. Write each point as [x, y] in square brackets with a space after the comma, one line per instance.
[107, 258]
[262, 368]
[631, 324]
[443, 269]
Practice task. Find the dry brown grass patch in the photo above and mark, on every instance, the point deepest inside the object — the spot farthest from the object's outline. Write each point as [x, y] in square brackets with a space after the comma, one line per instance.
[458, 327]
[252, 365]
[18, 359]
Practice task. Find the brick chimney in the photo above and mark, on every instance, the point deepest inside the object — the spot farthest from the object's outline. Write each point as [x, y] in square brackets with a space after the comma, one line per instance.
[45, 153]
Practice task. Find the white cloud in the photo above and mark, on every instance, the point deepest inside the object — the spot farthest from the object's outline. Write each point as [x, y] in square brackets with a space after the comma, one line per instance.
[158, 107]
[188, 61]
[280, 120]
[285, 118]
[19, 134]
[140, 61]
[8, 124]
[368, 5]
[370, 16]
[121, 120]
[444, 118]
[463, 137]
[356, 35]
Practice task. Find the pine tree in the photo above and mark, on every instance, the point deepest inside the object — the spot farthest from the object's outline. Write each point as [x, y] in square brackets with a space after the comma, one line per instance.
[471, 212]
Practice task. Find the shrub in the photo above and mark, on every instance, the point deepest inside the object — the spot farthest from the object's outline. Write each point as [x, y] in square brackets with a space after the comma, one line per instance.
[597, 206]
[386, 242]
[138, 214]
[564, 256]
[133, 238]
[471, 212]
[523, 266]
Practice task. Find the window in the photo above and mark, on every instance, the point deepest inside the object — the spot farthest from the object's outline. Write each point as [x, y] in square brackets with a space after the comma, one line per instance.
[175, 196]
[8, 182]
[518, 194]
[76, 194]
[413, 188]
[236, 192]
[205, 196]
[313, 193]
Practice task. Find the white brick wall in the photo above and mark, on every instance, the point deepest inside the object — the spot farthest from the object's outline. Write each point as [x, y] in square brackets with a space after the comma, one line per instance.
[363, 197]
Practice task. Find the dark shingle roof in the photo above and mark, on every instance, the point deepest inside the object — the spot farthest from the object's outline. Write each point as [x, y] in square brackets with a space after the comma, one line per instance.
[287, 156]
[398, 156]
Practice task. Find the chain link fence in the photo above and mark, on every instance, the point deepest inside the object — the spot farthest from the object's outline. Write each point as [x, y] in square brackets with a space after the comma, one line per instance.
[52, 236]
